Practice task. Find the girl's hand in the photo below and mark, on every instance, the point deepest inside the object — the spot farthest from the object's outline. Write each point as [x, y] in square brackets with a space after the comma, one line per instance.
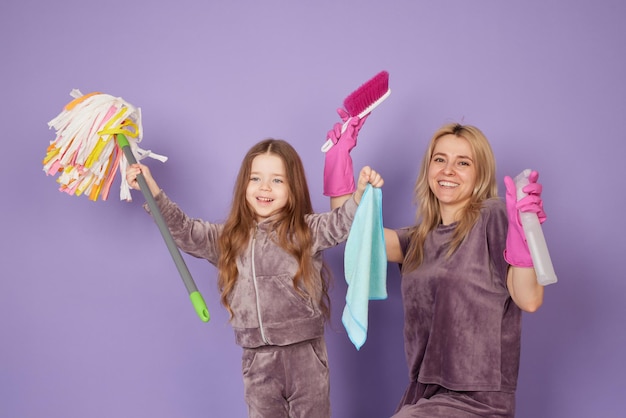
[131, 175]
[134, 170]
[367, 175]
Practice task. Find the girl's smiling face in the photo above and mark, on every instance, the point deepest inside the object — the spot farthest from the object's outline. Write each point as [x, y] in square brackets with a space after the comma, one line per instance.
[452, 175]
[267, 192]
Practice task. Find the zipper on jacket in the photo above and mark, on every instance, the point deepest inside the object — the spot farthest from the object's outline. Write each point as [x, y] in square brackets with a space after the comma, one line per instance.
[256, 289]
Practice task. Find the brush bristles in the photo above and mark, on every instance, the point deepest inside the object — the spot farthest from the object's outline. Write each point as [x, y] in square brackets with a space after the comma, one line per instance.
[369, 94]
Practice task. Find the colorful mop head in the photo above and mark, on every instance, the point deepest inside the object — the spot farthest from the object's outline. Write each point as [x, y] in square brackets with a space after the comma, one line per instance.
[97, 134]
[85, 151]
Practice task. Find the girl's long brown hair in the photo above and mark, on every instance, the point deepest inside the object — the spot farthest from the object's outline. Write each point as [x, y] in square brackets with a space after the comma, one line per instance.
[292, 231]
[428, 213]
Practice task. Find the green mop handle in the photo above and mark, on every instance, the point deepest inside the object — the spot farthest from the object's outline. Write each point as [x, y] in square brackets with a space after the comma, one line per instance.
[196, 298]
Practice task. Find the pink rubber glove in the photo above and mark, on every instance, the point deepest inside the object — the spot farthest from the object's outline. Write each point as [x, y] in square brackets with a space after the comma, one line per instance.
[517, 252]
[338, 169]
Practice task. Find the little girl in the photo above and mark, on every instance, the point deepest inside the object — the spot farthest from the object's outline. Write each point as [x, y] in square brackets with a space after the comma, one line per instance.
[271, 275]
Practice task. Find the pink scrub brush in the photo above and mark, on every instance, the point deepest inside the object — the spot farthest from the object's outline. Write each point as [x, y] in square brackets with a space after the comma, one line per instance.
[364, 99]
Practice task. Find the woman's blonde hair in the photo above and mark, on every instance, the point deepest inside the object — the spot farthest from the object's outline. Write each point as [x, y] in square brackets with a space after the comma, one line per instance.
[292, 231]
[428, 210]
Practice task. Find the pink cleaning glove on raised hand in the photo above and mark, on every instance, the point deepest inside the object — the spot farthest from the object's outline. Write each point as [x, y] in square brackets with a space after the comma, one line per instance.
[517, 252]
[338, 169]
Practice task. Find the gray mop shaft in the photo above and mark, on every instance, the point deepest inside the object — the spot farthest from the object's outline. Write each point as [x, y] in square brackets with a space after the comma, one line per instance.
[158, 217]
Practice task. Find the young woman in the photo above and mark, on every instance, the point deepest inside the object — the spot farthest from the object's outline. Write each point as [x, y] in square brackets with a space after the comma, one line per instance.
[466, 278]
[271, 275]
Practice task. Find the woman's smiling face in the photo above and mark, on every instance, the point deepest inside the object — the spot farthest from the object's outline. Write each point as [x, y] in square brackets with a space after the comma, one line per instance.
[452, 175]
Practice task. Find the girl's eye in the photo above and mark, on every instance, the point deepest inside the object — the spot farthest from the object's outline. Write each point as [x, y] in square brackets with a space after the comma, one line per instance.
[278, 181]
[254, 179]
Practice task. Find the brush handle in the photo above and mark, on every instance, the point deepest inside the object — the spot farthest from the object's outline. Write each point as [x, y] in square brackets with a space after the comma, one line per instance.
[329, 142]
[534, 237]
[196, 298]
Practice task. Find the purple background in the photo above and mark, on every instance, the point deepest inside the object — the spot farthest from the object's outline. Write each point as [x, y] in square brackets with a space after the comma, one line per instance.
[94, 319]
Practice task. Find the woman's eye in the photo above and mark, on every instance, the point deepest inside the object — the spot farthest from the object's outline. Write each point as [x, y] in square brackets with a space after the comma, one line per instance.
[464, 163]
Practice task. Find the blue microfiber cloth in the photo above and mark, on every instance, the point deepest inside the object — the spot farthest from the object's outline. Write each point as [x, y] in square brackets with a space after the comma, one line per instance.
[365, 264]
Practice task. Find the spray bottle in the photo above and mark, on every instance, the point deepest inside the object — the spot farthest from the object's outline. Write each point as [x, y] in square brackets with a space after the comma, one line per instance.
[534, 236]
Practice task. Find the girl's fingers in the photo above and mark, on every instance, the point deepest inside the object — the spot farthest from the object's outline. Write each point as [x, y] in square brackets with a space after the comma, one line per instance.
[375, 179]
[131, 175]
[368, 175]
